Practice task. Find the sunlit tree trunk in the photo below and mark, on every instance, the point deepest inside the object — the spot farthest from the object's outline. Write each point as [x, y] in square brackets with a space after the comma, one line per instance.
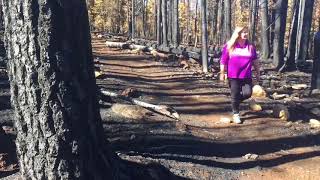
[264, 29]
[204, 34]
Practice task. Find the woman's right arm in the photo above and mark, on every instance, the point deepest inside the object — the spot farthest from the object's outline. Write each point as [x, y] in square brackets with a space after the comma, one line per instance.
[223, 63]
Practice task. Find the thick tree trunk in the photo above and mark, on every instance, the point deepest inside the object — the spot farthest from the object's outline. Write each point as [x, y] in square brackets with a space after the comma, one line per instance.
[315, 80]
[264, 29]
[304, 25]
[279, 30]
[227, 20]
[204, 34]
[53, 91]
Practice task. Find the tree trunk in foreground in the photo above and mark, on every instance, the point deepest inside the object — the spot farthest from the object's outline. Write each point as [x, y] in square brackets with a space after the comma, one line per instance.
[59, 129]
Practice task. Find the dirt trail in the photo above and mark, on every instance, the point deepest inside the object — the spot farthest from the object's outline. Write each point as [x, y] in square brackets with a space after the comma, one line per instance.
[199, 145]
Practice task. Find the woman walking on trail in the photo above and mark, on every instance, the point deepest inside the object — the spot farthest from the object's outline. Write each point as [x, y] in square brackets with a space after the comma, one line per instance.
[238, 56]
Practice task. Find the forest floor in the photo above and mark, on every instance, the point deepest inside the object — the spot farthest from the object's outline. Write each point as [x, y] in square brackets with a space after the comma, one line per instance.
[200, 144]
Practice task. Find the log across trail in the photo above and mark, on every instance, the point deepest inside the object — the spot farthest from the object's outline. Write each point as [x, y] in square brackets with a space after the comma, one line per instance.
[200, 142]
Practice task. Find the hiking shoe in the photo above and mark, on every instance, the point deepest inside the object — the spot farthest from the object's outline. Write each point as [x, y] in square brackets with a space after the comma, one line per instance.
[236, 119]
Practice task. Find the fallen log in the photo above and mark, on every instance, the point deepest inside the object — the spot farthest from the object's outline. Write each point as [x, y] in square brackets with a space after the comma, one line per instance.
[137, 48]
[162, 109]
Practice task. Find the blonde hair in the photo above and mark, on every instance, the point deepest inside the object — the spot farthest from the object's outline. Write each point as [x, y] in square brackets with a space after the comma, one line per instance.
[235, 36]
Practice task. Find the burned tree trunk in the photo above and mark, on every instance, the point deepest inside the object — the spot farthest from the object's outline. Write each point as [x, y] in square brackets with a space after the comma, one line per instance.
[304, 25]
[279, 30]
[253, 18]
[315, 80]
[290, 55]
[53, 92]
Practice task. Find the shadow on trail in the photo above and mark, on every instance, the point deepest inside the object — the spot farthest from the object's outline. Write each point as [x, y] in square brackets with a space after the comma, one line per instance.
[189, 148]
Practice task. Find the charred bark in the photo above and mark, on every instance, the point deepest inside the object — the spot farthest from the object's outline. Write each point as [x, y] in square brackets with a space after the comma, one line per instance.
[315, 80]
[304, 25]
[290, 55]
[53, 92]
[279, 30]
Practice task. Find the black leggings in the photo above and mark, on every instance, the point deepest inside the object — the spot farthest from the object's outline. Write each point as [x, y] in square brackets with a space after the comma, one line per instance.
[241, 89]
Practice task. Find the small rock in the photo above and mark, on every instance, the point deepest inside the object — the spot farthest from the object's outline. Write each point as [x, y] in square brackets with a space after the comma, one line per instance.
[288, 124]
[315, 111]
[225, 120]
[258, 91]
[132, 137]
[314, 123]
[299, 86]
[277, 96]
[315, 92]
[250, 156]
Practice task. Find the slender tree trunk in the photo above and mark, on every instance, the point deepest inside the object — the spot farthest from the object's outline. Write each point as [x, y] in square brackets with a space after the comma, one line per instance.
[175, 30]
[143, 8]
[145, 27]
[253, 20]
[155, 19]
[159, 22]
[170, 20]
[304, 25]
[227, 19]
[279, 31]
[196, 26]
[164, 23]
[133, 20]
[271, 26]
[189, 34]
[53, 92]
[214, 24]
[204, 33]
[315, 80]
[119, 16]
[264, 31]
[220, 23]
